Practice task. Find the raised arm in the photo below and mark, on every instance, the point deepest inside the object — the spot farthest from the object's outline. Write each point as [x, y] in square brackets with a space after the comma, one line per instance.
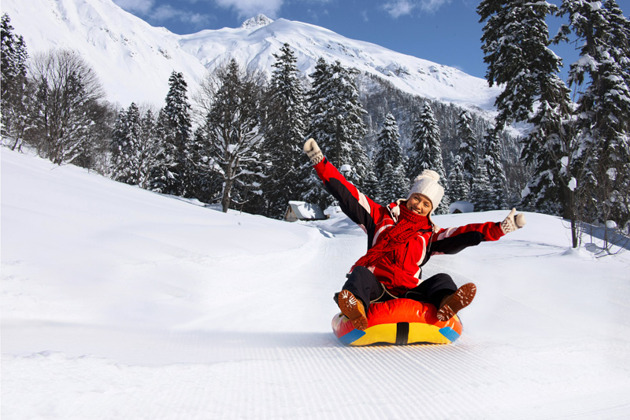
[358, 207]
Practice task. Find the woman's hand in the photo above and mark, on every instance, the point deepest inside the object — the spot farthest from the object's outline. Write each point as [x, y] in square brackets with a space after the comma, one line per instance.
[513, 222]
[313, 152]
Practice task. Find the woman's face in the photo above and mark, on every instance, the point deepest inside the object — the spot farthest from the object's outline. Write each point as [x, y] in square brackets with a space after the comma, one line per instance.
[419, 204]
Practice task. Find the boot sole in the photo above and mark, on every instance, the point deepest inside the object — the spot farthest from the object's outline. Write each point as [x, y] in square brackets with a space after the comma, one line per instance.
[353, 309]
[458, 301]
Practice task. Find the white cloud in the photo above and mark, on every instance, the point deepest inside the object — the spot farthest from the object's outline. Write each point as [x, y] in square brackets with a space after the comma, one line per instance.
[249, 8]
[398, 8]
[165, 12]
[432, 5]
[136, 6]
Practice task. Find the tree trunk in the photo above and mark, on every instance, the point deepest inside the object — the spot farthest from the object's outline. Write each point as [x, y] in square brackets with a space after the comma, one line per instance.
[574, 232]
[572, 218]
[15, 145]
[226, 199]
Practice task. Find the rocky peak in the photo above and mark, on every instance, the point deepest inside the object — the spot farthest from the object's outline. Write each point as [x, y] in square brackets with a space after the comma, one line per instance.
[256, 21]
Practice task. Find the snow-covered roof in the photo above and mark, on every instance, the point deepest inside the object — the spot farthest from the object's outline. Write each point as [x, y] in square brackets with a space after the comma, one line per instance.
[306, 211]
[461, 207]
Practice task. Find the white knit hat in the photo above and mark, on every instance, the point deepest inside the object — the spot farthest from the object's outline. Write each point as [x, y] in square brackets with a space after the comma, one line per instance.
[427, 184]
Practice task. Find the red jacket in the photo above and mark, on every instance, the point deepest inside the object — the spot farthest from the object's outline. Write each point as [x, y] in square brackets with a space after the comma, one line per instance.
[400, 269]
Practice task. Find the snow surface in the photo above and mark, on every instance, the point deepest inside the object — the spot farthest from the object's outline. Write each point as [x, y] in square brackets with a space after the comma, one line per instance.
[119, 303]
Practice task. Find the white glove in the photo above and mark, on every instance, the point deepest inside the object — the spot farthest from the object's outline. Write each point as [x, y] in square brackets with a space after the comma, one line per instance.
[513, 222]
[313, 152]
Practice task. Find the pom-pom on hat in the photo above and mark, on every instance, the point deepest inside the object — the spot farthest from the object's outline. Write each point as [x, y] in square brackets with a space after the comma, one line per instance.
[427, 184]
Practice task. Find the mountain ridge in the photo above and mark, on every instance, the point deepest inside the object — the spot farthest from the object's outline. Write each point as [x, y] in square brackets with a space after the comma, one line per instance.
[134, 59]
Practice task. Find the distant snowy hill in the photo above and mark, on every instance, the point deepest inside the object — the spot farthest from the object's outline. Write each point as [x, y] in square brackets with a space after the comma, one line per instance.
[134, 59]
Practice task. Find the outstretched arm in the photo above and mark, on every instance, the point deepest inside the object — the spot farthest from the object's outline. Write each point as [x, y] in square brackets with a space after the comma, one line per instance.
[453, 240]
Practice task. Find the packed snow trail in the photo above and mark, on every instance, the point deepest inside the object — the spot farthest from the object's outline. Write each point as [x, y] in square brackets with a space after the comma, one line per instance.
[121, 303]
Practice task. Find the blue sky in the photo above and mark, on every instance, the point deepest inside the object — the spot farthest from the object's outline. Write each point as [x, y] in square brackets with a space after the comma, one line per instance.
[444, 31]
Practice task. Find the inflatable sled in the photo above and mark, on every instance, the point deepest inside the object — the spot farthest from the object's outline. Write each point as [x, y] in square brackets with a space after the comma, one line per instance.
[399, 321]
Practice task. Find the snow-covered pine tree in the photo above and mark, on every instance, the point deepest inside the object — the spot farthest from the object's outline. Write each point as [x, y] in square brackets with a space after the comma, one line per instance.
[515, 44]
[389, 163]
[604, 106]
[371, 185]
[161, 173]
[176, 128]
[458, 186]
[336, 122]
[321, 128]
[496, 172]
[125, 146]
[361, 164]
[118, 146]
[349, 125]
[134, 122]
[514, 37]
[481, 194]
[204, 184]
[285, 127]
[467, 150]
[148, 148]
[13, 82]
[233, 130]
[426, 152]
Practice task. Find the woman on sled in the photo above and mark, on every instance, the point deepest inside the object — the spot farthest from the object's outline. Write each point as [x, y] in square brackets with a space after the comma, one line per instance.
[401, 239]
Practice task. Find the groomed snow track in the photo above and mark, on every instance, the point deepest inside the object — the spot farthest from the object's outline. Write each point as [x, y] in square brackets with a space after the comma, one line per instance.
[120, 303]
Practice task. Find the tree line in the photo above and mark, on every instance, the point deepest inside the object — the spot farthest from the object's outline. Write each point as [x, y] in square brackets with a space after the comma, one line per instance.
[241, 148]
[577, 145]
[237, 140]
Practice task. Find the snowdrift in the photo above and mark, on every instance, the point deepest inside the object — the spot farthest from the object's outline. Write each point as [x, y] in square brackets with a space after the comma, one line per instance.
[121, 303]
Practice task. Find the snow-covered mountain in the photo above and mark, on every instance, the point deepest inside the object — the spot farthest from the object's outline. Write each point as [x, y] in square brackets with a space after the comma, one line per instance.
[134, 59]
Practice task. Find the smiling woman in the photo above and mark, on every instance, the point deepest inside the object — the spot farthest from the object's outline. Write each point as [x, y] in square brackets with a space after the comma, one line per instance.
[401, 239]
[419, 204]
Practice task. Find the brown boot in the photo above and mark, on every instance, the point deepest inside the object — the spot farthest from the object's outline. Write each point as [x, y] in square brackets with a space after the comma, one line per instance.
[353, 309]
[456, 302]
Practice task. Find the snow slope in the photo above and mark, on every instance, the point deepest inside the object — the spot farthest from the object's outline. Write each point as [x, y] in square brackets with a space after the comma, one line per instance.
[121, 303]
[134, 60]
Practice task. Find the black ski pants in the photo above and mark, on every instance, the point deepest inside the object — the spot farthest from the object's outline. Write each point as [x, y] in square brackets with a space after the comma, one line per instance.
[364, 285]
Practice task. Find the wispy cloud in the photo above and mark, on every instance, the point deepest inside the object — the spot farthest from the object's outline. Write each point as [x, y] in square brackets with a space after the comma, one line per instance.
[249, 8]
[398, 8]
[136, 6]
[432, 5]
[166, 12]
